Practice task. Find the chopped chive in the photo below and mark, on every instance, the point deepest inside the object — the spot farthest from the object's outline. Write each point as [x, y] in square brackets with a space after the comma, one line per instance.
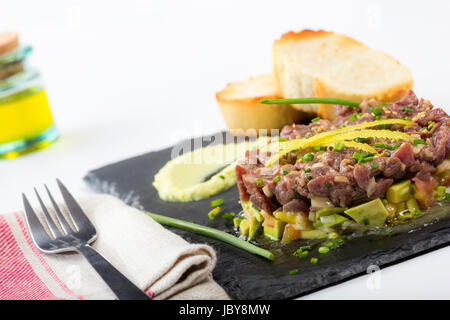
[366, 159]
[339, 146]
[353, 117]
[302, 252]
[406, 109]
[328, 185]
[222, 177]
[343, 126]
[377, 111]
[303, 255]
[315, 119]
[362, 139]
[319, 148]
[374, 166]
[285, 172]
[431, 124]
[276, 179]
[385, 146]
[259, 183]
[361, 114]
[281, 139]
[447, 196]
[314, 260]
[338, 242]
[366, 221]
[377, 118]
[216, 203]
[324, 250]
[307, 170]
[293, 272]
[329, 244]
[356, 156]
[308, 157]
[308, 135]
[228, 215]
[309, 177]
[213, 213]
[418, 141]
[296, 195]
[370, 109]
[388, 230]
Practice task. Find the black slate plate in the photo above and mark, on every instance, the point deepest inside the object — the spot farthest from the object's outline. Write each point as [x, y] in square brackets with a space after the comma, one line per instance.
[246, 276]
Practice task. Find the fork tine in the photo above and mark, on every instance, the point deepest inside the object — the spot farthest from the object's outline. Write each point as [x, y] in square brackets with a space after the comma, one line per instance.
[37, 231]
[50, 222]
[78, 216]
[62, 220]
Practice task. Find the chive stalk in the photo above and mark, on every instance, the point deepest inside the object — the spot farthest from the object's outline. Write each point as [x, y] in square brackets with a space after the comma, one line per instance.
[342, 102]
[211, 232]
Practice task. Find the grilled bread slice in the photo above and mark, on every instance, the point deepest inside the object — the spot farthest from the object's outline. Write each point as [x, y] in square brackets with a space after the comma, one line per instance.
[240, 105]
[325, 64]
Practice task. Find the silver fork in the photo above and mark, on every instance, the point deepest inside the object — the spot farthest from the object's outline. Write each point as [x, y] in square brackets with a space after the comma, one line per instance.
[77, 239]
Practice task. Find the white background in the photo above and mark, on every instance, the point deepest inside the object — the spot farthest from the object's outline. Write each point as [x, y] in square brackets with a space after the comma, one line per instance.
[127, 77]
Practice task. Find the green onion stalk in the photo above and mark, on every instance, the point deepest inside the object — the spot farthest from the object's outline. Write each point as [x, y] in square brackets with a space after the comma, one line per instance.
[211, 232]
[342, 102]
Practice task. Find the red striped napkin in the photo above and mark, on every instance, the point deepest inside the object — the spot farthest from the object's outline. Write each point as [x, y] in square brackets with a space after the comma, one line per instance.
[155, 259]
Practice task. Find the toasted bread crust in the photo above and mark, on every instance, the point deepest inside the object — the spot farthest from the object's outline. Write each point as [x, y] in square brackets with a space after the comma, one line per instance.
[244, 113]
[295, 77]
[308, 34]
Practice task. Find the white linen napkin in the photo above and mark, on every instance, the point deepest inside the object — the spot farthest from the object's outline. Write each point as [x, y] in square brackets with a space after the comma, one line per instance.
[155, 259]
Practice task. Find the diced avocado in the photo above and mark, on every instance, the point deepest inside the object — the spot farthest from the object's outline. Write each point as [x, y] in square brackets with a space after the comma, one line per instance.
[391, 208]
[399, 192]
[244, 227]
[439, 193]
[287, 217]
[401, 207]
[332, 220]
[259, 216]
[254, 226]
[413, 206]
[254, 217]
[328, 211]
[372, 213]
[313, 234]
[273, 228]
[290, 233]
[298, 218]
[237, 222]
[405, 215]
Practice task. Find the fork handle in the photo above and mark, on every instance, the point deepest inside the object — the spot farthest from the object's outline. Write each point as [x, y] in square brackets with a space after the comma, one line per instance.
[123, 288]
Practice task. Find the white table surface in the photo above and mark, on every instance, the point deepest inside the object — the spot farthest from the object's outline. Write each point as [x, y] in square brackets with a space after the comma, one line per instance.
[127, 77]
